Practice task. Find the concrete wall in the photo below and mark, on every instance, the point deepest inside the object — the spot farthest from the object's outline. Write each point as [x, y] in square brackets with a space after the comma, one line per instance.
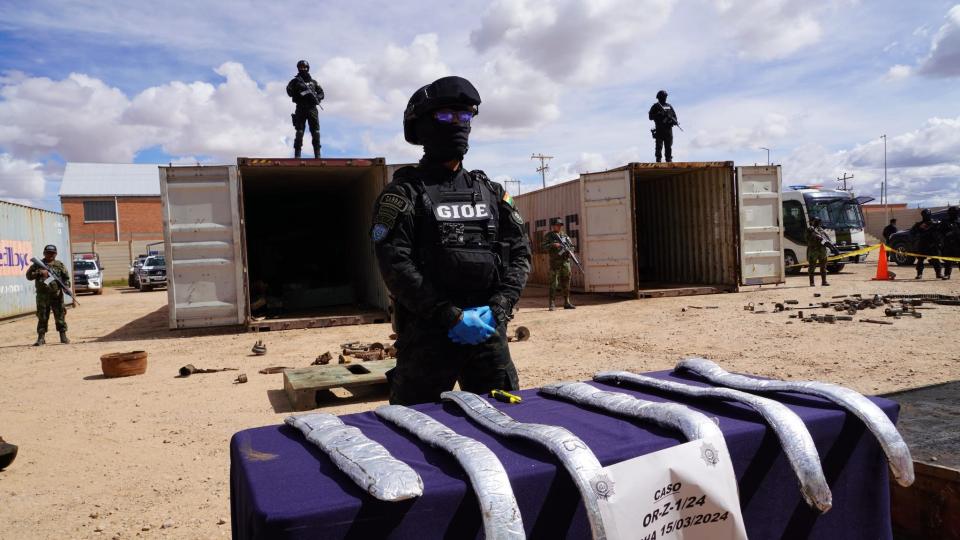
[140, 219]
[876, 218]
[115, 256]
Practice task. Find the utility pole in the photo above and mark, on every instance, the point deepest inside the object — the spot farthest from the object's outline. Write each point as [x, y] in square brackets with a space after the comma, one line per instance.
[517, 182]
[768, 153]
[542, 169]
[884, 195]
[844, 180]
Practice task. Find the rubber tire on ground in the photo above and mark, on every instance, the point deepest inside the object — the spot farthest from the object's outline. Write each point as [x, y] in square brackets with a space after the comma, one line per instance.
[131, 282]
[902, 260]
[790, 258]
[123, 364]
[835, 268]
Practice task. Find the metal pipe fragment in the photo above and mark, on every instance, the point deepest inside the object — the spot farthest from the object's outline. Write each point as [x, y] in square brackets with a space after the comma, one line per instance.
[498, 506]
[898, 454]
[367, 463]
[693, 424]
[797, 443]
[576, 456]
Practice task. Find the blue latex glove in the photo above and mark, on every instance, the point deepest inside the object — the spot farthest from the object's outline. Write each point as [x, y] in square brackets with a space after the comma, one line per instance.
[473, 327]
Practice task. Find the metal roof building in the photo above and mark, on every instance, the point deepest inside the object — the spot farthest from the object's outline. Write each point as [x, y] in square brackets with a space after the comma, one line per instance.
[110, 180]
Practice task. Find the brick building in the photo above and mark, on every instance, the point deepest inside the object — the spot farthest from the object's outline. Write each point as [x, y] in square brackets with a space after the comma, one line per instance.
[112, 202]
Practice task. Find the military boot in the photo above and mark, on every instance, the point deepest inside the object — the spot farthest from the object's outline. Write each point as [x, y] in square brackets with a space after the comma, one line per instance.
[63, 337]
[552, 305]
[823, 283]
[568, 305]
[296, 153]
[316, 151]
[40, 341]
[811, 280]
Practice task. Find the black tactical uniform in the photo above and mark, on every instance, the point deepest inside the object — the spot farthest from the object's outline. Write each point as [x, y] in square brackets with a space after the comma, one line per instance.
[447, 241]
[664, 117]
[950, 233]
[927, 233]
[307, 94]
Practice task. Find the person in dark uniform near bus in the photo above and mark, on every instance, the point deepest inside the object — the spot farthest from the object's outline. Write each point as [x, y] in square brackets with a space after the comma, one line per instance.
[452, 250]
[817, 243]
[306, 92]
[950, 233]
[927, 233]
[889, 230]
[664, 117]
[50, 295]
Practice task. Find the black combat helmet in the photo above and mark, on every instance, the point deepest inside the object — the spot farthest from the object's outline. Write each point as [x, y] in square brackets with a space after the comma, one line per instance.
[49, 248]
[303, 64]
[925, 214]
[445, 92]
[662, 94]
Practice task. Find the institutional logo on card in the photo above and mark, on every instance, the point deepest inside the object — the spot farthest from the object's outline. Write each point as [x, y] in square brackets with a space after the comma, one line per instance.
[709, 454]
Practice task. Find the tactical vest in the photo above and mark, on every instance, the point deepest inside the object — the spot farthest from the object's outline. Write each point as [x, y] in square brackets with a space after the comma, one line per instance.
[458, 239]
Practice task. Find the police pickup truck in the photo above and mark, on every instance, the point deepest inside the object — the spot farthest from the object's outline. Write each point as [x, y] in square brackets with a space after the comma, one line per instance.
[87, 273]
[152, 273]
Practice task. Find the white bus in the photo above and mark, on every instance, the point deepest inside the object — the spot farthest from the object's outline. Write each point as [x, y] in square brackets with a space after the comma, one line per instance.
[840, 216]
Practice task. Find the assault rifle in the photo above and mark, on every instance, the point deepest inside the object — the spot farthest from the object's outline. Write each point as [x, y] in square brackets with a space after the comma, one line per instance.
[825, 240]
[566, 246]
[52, 276]
[313, 92]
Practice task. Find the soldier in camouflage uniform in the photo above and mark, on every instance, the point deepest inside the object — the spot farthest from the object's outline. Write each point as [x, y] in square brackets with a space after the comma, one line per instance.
[559, 265]
[817, 241]
[50, 296]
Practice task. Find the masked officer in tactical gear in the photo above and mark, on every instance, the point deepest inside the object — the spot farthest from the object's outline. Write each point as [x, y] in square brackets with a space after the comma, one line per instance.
[817, 242]
[307, 94]
[50, 295]
[950, 232]
[927, 233]
[452, 250]
[559, 264]
[664, 117]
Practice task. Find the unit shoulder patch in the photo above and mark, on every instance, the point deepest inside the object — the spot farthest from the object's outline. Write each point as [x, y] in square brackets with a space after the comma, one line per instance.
[516, 217]
[389, 206]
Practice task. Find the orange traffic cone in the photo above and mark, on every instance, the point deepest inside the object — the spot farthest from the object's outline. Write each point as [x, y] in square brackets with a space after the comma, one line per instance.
[882, 273]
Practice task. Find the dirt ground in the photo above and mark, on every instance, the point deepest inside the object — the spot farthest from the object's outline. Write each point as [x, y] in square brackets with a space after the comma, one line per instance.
[148, 456]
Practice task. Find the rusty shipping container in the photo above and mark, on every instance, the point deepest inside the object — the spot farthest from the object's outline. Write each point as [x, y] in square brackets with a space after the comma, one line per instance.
[273, 243]
[23, 233]
[665, 229]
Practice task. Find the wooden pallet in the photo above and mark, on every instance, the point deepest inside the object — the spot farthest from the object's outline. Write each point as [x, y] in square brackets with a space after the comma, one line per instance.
[307, 387]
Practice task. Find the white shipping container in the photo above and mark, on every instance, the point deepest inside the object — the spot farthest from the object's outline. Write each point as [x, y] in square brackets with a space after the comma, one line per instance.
[658, 229]
[273, 243]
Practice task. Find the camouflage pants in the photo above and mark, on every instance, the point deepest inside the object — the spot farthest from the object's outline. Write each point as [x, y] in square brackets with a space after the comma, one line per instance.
[817, 256]
[560, 279]
[44, 306]
[429, 363]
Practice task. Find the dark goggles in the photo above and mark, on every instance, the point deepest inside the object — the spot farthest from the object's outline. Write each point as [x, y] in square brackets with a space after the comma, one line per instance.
[448, 117]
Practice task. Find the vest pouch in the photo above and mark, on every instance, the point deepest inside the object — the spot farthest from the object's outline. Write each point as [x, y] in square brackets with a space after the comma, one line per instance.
[462, 270]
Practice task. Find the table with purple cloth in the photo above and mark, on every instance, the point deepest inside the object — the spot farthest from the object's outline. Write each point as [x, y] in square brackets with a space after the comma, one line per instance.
[281, 486]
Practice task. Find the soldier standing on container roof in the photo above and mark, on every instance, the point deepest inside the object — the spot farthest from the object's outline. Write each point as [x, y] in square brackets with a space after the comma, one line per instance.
[927, 233]
[950, 231]
[559, 264]
[452, 250]
[817, 242]
[664, 117]
[307, 94]
[50, 295]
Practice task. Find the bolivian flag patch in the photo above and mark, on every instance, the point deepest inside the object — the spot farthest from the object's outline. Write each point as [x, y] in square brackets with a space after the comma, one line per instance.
[508, 199]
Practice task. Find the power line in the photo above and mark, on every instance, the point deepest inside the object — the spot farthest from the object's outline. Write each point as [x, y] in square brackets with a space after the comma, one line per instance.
[542, 169]
[844, 180]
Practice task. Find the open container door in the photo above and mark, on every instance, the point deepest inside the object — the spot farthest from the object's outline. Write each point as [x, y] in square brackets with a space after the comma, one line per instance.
[761, 235]
[607, 228]
[201, 229]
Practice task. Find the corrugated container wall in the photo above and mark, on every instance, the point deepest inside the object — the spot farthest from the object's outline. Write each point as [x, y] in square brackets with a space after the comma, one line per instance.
[561, 201]
[23, 233]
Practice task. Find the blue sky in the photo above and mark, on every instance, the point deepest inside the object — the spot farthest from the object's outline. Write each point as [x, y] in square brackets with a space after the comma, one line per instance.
[818, 82]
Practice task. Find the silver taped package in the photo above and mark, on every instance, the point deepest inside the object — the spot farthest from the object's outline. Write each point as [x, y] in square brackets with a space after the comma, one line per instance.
[577, 458]
[693, 424]
[898, 454]
[367, 463]
[498, 506]
[796, 441]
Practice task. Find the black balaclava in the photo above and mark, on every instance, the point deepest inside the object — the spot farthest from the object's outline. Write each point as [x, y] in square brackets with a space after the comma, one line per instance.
[442, 142]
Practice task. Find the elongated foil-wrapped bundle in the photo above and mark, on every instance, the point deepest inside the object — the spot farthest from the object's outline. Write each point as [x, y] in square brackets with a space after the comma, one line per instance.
[366, 462]
[898, 455]
[797, 444]
[693, 424]
[576, 456]
[498, 506]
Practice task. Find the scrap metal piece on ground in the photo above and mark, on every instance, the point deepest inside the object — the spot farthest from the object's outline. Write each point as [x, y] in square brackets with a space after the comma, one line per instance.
[273, 369]
[366, 462]
[898, 454]
[306, 386]
[8, 453]
[189, 370]
[576, 456]
[323, 359]
[242, 378]
[693, 424]
[875, 321]
[498, 505]
[797, 443]
[259, 348]
[522, 333]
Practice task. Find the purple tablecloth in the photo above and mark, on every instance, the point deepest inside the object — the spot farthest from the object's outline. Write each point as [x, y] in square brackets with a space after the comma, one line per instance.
[283, 487]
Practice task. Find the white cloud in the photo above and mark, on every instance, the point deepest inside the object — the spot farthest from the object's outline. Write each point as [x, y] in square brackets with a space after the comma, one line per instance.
[898, 72]
[20, 180]
[944, 57]
[769, 129]
[772, 29]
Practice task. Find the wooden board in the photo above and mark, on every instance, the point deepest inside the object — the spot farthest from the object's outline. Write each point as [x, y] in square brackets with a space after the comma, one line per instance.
[291, 323]
[303, 384]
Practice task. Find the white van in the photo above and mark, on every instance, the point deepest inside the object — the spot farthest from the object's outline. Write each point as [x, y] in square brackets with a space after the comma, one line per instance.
[840, 215]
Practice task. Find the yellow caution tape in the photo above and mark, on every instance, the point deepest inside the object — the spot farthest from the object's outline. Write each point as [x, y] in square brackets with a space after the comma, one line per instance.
[908, 254]
[889, 249]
